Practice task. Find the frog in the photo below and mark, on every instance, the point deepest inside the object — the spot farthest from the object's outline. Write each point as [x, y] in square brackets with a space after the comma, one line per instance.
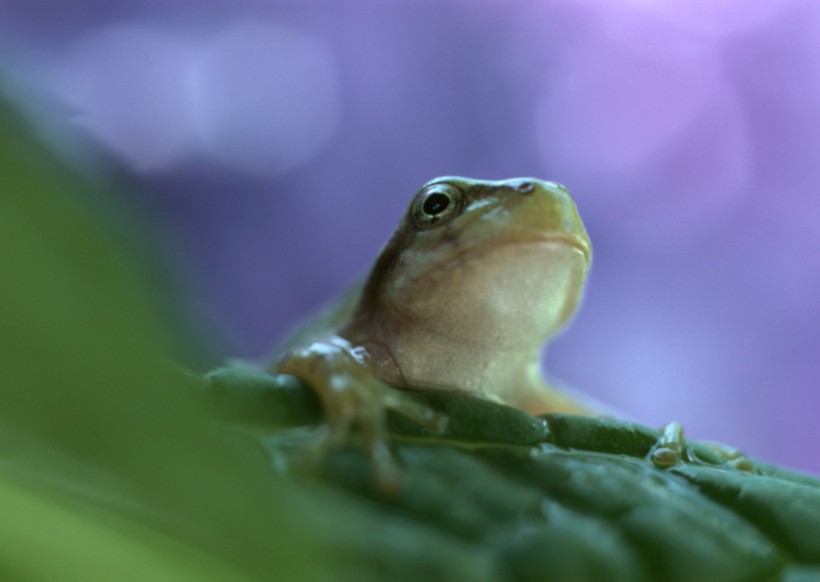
[476, 279]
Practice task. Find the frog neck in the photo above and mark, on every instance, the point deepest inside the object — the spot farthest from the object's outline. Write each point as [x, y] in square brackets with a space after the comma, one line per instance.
[413, 358]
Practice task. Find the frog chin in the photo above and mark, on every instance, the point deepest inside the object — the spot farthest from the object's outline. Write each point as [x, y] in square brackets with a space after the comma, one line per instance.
[513, 295]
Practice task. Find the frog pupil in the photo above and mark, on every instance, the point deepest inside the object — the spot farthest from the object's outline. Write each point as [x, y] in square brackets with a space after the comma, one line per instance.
[436, 204]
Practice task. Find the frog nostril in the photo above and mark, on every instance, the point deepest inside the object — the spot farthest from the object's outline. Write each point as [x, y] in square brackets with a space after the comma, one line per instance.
[526, 187]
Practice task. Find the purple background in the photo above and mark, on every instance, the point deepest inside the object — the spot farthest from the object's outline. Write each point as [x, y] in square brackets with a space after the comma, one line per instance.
[277, 144]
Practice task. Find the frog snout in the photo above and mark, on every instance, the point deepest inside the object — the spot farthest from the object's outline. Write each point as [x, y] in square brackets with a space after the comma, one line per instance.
[547, 208]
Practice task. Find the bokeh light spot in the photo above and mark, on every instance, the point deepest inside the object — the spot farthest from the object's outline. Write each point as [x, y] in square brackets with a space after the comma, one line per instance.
[126, 85]
[713, 17]
[266, 98]
[652, 131]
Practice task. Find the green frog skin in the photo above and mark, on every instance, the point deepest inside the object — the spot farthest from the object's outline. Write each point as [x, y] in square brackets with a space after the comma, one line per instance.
[477, 278]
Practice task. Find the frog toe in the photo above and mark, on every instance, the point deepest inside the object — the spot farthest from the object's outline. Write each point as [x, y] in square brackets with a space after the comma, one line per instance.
[670, 448]
[418, 412]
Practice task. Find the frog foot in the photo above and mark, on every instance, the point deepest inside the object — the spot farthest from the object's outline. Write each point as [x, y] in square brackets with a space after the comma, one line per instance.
[671, 449]
[355, 402]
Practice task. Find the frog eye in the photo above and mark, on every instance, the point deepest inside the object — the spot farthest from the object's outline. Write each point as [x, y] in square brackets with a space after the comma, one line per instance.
[436, 204]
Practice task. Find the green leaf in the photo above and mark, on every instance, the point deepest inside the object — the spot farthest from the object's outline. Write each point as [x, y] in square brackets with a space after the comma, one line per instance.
[562, 497]
[104, 450]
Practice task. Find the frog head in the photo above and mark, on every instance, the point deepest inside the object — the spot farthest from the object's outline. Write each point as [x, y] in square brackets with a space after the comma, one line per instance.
[481, 263]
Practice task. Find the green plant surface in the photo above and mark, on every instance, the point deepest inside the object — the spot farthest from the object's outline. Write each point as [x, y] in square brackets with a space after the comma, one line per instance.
[554, 497]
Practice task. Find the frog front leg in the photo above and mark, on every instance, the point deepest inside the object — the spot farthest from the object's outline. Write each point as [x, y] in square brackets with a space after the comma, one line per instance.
[353, 399]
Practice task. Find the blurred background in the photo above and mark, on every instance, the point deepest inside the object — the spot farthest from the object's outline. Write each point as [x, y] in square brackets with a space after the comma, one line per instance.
[273, 146]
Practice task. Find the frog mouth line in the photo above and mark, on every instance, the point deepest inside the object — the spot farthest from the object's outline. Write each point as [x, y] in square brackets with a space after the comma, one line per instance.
[567, 240]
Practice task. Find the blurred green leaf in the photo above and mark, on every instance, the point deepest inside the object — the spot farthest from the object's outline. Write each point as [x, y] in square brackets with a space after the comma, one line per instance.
[102, 445]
